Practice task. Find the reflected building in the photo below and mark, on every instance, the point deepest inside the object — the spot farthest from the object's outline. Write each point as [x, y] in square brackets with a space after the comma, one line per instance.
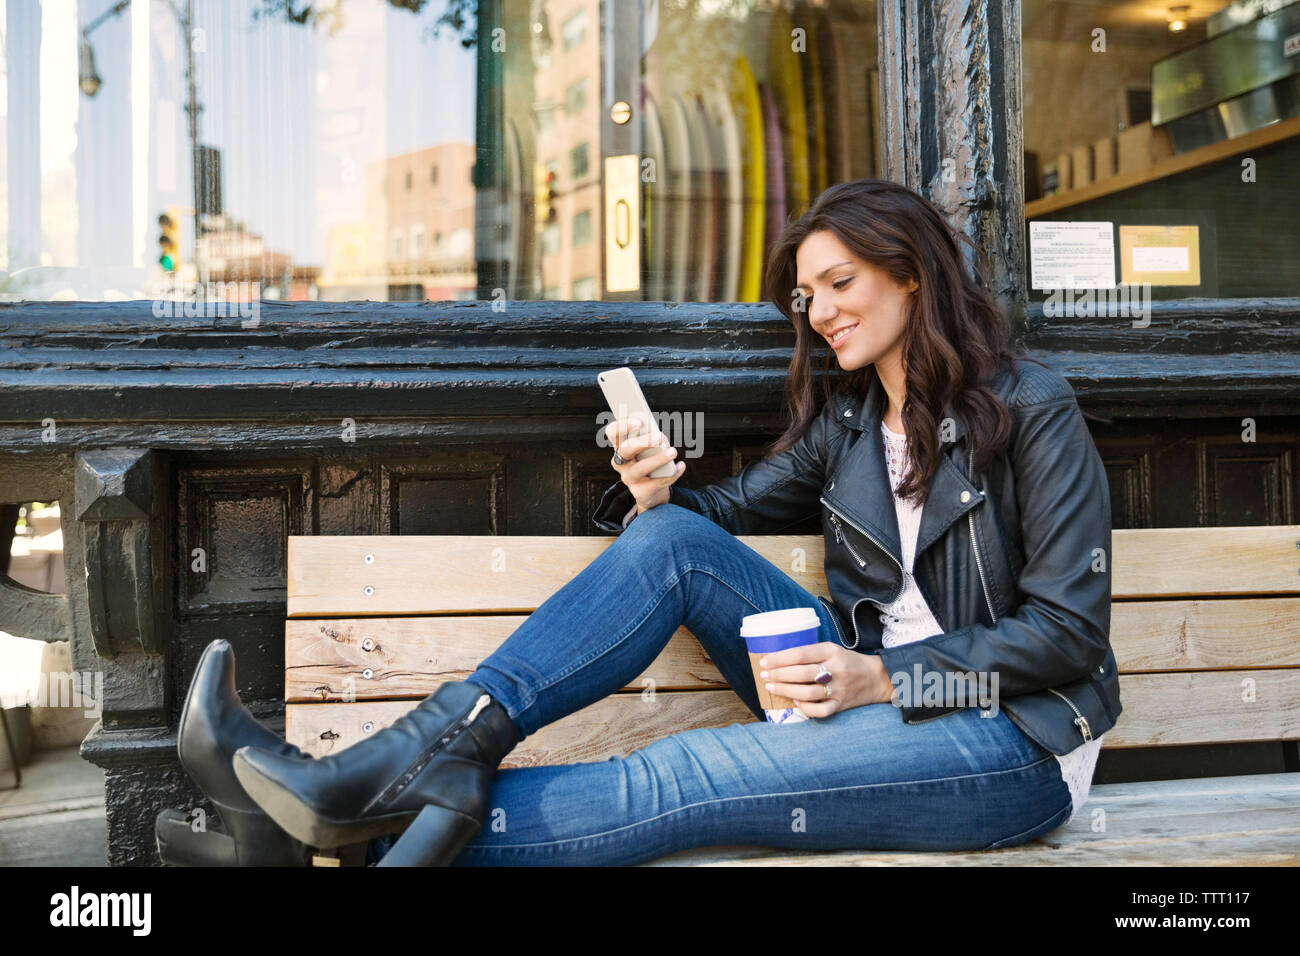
[415, 239]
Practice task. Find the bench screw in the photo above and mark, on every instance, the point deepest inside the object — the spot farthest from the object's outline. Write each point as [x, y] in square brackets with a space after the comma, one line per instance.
[370, 559]
[368, 590]
[368, 644]
[367, 673]
[367, 727]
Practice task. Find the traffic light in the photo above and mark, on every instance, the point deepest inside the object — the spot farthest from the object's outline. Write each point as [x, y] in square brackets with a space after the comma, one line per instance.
[544, 180]
[169, 241]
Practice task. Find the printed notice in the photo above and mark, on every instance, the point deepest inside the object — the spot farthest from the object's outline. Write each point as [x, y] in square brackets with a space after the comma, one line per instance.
[1072, 255]
[1160, 255]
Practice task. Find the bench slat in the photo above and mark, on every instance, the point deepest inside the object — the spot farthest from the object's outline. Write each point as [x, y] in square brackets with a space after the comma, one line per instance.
[326, 658]
[1192, 562]
[1241, 820]
[426, 574]
[1159, 710]
[617, 725]
[1205, 634]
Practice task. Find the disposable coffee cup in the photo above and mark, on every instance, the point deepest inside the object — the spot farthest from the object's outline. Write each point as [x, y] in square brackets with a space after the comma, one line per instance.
[773, 631]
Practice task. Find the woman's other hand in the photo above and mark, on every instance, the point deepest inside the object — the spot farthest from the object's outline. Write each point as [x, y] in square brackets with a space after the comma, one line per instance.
[856, 679]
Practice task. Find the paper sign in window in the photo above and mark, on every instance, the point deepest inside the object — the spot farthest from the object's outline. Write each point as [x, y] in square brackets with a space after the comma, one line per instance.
[1072, 255]
[1160, 255]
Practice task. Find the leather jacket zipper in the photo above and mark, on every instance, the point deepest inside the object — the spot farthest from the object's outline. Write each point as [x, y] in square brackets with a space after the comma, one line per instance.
[979, 565]
[1079, 720]
[829, 604]
[842, 538]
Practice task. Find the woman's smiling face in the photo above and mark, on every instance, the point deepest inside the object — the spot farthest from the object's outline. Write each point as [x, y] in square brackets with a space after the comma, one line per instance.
[843, 292]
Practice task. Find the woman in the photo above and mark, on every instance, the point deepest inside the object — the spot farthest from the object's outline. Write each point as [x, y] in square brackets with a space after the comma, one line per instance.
[873, 271]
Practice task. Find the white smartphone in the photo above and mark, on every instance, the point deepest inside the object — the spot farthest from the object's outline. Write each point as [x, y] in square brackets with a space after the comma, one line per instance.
[623, 394]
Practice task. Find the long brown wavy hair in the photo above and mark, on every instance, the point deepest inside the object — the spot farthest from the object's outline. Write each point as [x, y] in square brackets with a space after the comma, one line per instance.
[955, 337]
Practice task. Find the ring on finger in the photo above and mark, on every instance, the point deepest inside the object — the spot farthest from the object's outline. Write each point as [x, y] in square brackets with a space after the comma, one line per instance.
[823, 675]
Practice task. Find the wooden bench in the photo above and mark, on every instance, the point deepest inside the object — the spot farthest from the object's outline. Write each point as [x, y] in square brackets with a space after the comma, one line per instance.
[1205, 628]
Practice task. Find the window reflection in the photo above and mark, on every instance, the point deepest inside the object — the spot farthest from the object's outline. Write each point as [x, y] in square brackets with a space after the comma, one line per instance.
[374, 152]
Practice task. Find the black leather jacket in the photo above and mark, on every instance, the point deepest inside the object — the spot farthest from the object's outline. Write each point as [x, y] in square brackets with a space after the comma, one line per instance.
[1014, 563]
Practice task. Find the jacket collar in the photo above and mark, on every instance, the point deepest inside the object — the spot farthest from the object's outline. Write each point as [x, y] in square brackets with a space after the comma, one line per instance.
[862, 414]
[861, 488]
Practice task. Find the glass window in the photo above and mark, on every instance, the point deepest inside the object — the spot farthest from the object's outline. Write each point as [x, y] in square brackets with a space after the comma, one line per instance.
[575, 97]
[575, 28]
[584, 288]
[582, 228]
[551, 239]
[578, 161]
[1160, 145]
[304, 174]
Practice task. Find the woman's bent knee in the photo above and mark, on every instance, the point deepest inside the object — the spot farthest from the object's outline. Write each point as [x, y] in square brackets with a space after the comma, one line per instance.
[668, 524]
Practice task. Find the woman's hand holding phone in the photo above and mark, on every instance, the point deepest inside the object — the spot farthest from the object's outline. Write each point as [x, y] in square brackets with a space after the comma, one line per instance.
[647, 491]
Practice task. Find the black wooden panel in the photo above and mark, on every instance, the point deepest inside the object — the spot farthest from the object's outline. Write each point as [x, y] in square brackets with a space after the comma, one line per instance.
[1247, 483]
[455, 496]
[233, 533]
[347, 498]
[1128, 472]
[535, 488]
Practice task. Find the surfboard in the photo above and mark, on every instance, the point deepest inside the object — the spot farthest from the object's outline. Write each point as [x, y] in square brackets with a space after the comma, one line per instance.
[775, 167]
[815, 98]
[704, 220]
[749, 112]
[786, 80]
[730, 187]
[677, 142]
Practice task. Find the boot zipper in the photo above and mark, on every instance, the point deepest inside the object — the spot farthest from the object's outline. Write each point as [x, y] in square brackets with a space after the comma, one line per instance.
[1079, 720]
[979, 565]
[394, 790]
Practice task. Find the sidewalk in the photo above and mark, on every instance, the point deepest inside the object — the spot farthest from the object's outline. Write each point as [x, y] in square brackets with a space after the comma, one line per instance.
[56, 818]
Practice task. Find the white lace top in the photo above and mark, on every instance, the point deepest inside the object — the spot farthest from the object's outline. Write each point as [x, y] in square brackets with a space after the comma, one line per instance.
[909, 618]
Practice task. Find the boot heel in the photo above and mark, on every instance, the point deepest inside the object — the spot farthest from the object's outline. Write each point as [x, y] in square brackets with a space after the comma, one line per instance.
[434, 839]
[259, 841]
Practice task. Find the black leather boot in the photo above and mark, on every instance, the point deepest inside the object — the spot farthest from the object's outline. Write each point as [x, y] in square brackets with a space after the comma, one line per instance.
[180, 845]
[442, 754]
[214, 724]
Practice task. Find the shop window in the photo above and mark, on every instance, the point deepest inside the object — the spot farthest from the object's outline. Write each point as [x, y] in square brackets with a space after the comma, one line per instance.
[316, 137]
[1160, 145]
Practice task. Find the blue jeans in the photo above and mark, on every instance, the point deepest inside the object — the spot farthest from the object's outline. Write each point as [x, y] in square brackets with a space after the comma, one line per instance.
[859, 779]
